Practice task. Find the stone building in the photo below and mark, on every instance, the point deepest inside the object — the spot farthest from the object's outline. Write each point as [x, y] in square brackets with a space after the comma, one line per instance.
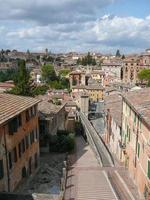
[84, 103]
[19, 141]
[77, 78]
[130, 70]
[133, 65]
[112, 69]
[51, 119]
[113, 110]
[94, 91]
[98, 76]
[136, 137]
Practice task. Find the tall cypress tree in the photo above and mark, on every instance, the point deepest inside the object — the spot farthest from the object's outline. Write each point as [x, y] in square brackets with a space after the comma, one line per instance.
[22, 80]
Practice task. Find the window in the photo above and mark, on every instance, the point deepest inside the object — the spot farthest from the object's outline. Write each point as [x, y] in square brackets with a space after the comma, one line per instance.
[14, 124]
[27, 141]
[129, 136]
[1, 169]
[14, 153]
[10, 160]
[148, 171]
[36, 134]
[23, 145]
[19, 148]
[130, 111]
[30, 113]
[19, 120]
[35, 160]
[32, 137]
[138, 150]
[27, 115]
[134, 117]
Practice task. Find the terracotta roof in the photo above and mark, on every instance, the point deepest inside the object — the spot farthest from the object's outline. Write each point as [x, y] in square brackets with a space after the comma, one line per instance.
[76, 72]
[95, 87]
[140, 101]
[48, 108]
[79, 87]
[12, 105]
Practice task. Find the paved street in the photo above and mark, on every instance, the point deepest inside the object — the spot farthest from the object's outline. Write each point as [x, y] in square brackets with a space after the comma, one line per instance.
[99, 123]
[86, 180]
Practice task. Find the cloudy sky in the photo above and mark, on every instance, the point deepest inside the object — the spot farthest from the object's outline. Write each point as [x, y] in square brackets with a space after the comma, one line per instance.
[75, 25]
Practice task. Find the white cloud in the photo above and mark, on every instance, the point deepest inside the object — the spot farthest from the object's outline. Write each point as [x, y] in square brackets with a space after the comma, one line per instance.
[105, 34]
[123, 31]
[51, 11]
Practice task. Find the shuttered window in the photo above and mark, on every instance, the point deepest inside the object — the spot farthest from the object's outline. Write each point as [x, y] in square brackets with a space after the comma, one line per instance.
[10, 160]
[148, 173]
[138, 150]
[1, 169]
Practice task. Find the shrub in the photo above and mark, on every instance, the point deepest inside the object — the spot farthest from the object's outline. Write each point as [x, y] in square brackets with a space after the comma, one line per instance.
[62, 143]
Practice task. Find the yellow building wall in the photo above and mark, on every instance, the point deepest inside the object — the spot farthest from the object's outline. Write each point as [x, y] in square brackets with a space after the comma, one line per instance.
[12, 141]
[96, 95]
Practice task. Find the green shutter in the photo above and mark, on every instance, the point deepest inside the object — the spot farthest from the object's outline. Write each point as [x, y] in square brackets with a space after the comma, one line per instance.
[129, 136]
[148, 173]
[134, 117]
[138, 150]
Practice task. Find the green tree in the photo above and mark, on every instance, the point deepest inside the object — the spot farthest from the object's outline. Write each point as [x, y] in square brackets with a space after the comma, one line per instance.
[7, 75]
[123, 57]
[144, 75]
[79, 61]
[87, 60]
[40, 90]
[22, 80]
[65, 83]
[118, 53]
[55, 84]
[64, 72]
[48, 73]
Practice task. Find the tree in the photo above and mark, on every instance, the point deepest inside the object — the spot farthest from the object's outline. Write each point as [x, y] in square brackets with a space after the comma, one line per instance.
[7, 75]
[22, 80]
[48, 73]
[64, 72]
[118, 53]
[123, 57]
[78, 61]
[40, 90]
[87, 60]
[144, 75]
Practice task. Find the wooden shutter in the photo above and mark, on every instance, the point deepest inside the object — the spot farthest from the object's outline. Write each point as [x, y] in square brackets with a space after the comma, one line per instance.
[1, 169]
[148, 173]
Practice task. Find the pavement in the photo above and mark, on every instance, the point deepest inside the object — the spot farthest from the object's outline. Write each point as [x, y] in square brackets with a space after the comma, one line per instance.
[86, 180]
[99, 123]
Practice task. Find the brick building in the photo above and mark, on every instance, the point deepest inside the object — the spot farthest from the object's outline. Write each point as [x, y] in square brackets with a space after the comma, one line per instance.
[130, 70]
[113, 109]
[136, 137]
[51, 119]
[19, 143]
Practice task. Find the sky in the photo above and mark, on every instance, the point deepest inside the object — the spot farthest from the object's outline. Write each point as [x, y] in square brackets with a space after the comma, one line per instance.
[75, 25]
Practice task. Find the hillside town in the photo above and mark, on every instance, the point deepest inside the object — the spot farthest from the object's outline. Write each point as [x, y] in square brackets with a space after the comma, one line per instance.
[53, 107]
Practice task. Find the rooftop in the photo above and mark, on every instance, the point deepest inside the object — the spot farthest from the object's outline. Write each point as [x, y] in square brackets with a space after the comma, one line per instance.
[49, 108]
[95, 87]
[12, 105]
[140, 101]
[114, 104]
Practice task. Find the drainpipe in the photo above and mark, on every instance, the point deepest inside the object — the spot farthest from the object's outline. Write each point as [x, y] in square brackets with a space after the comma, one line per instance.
[137, 137]
[7, 165]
